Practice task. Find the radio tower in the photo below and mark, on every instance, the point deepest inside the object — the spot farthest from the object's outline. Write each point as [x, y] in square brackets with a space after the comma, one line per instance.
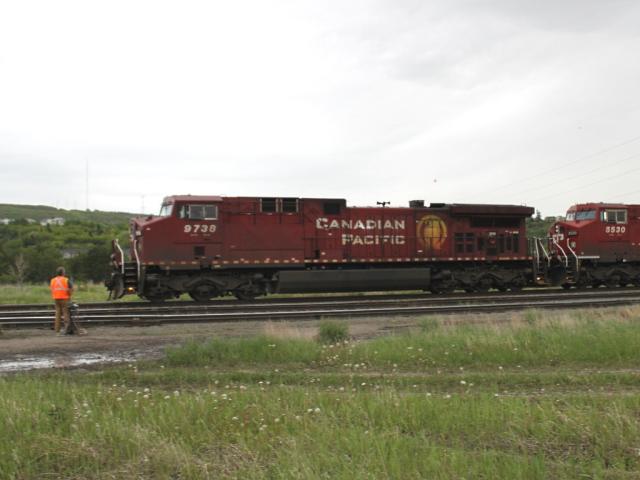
[86, 183]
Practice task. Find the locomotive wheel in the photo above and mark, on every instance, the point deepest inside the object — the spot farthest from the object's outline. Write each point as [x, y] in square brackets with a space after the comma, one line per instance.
[245, 295]
[517, 284]
[157, 295]
[566, 286]
[484, 284]
[442, 287]
[612, 281]
[203, 292]
[248, 292]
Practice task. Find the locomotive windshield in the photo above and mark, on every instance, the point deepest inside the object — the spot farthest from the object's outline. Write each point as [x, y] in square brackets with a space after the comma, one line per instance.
[165, 210]
[586, 215]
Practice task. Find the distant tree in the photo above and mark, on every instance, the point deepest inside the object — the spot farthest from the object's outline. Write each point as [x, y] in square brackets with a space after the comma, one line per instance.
[93, 264]
[18, 269]
[43, 261]
[538, 216]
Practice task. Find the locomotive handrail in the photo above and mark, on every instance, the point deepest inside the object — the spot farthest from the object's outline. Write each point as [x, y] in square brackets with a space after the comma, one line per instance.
[135, 251]
[546, 255]
[117, 245]
[564, 254]
[575, 256]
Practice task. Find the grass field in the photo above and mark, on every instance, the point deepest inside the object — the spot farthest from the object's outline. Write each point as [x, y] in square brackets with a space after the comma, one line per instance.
[547, 395]
[40, 293]
[97, 292]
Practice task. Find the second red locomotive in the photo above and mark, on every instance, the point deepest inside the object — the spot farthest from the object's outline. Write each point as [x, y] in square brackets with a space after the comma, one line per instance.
[208, 246]
[597, 244]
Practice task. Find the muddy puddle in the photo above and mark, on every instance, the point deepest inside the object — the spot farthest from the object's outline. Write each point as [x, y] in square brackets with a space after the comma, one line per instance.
[25, 363]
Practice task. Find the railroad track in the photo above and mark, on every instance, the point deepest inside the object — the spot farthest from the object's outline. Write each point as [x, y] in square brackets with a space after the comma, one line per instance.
[131, 314]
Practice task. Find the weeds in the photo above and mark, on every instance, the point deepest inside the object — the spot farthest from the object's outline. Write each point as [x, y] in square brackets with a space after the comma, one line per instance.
[429, 324]
[331, 331]
[566, 340]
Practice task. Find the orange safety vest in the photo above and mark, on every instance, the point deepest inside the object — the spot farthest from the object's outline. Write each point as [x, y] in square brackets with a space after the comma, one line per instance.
[60, 288]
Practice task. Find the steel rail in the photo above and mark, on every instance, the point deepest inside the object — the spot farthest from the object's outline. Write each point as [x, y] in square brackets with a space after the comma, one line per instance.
[19, 310]
[180, 312]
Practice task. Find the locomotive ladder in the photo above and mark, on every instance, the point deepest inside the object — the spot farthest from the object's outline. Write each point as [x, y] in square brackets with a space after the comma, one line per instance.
[130, 275]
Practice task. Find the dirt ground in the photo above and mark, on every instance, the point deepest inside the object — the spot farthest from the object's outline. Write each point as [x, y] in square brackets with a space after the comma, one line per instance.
[149, 342]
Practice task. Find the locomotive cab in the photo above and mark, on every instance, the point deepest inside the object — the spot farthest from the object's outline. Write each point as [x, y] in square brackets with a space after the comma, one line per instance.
[597, 244]
[184, 235]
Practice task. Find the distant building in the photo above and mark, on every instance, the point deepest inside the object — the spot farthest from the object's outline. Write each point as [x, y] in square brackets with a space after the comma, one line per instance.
[52, 221]
[5, 221]
[70, 253]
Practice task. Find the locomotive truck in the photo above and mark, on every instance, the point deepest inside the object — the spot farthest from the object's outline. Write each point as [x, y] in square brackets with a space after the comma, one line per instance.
[210, 246]
[596, 244]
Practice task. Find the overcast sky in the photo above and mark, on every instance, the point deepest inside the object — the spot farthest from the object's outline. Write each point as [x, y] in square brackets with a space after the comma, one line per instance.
[497, 101]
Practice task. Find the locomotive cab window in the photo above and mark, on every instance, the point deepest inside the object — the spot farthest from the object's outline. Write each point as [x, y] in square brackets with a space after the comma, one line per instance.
[199, 212]
[614, 216]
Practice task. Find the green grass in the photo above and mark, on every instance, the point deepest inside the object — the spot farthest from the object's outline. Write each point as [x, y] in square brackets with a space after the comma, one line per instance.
[556, 397]
[40, 293]
[600, 338]
[332, 331]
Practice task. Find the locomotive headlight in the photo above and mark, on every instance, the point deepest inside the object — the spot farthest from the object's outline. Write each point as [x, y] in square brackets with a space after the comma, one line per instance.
[557, 228]
[573, 244]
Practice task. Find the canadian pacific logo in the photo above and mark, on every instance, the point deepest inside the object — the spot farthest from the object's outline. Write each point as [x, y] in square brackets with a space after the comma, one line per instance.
[366, 231]
[431, 232]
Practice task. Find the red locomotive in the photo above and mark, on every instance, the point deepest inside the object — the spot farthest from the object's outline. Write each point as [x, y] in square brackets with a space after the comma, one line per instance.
[597, 244]
[208, 246]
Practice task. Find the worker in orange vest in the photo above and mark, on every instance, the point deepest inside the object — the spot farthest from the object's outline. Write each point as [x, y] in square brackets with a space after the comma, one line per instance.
[61, 290]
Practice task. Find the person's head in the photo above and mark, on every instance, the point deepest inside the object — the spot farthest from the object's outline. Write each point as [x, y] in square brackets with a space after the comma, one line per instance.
[60, 271]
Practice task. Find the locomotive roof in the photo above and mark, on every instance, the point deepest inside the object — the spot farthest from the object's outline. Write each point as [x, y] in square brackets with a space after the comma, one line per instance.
[485, 209]
[455, 208]
[593, 205]
[192, 198]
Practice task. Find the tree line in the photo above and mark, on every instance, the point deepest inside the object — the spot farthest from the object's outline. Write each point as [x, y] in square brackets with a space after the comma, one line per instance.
[30, 253]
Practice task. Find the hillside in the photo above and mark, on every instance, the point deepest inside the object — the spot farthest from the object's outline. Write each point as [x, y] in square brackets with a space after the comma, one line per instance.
[41, 212]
